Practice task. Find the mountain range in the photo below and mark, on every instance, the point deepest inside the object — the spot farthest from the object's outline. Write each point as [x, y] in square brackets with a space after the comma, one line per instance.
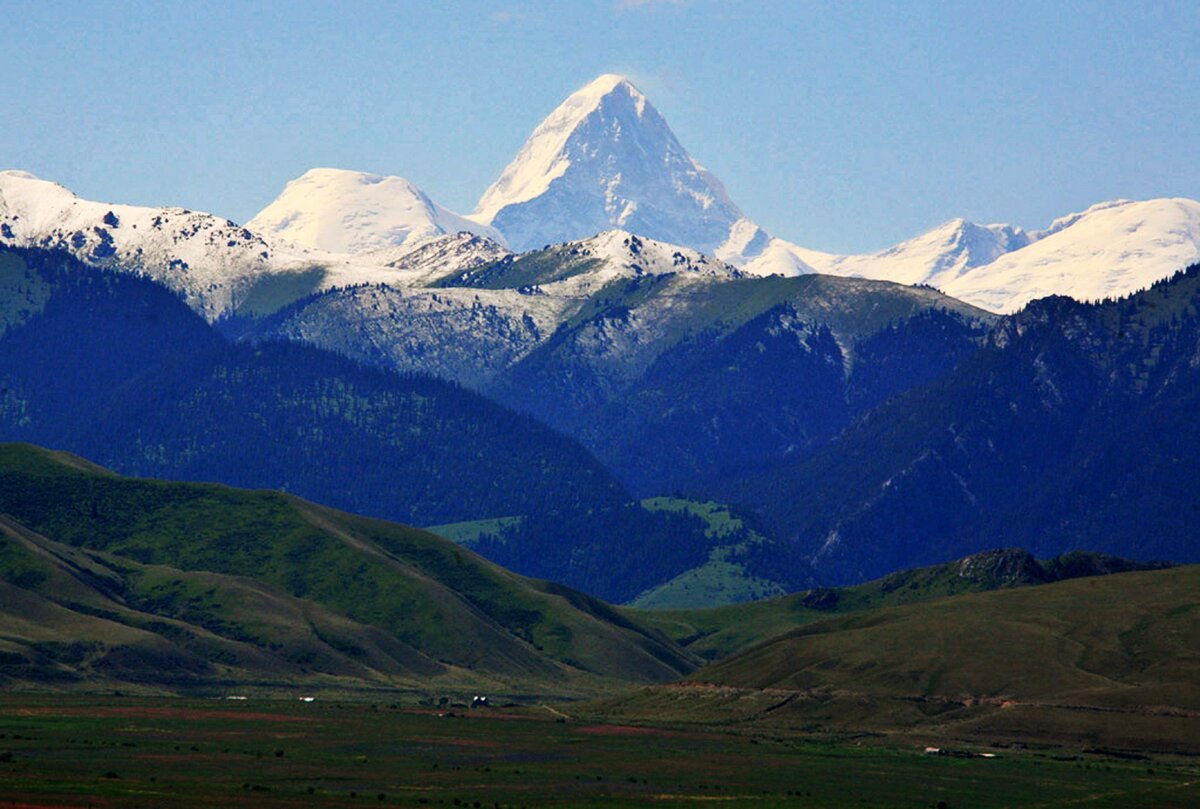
[1072, 426]
[119, 368]
[604, 159]
[607, 327]
[858, 427]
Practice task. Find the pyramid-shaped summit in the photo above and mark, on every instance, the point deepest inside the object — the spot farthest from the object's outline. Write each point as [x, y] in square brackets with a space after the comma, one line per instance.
[605, 158]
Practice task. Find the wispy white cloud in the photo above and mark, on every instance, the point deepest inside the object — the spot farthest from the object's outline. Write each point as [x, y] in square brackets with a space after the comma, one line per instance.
[628, 5]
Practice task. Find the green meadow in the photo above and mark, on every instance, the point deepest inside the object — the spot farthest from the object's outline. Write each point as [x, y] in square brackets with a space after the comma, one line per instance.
[131, 752]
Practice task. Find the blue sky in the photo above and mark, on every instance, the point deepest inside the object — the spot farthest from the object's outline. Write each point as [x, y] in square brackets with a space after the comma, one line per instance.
[842, 126]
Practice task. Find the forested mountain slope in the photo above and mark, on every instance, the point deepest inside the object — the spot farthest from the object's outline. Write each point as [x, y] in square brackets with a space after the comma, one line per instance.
[1073, 428]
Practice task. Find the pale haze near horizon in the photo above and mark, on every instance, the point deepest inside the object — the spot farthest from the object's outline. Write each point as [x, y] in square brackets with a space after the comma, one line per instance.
[845, 128]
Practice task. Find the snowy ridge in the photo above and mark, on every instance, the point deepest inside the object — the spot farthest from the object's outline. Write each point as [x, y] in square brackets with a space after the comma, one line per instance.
[576, 270]
[626, 253]
[1107, 251]
[470, 334]
[1071, 218]
[216, 264]
[425, 261]
[934, 258]
[212, 261]
[341, 211]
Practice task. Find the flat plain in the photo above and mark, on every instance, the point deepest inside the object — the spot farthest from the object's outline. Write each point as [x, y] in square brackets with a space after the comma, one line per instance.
[124, 752]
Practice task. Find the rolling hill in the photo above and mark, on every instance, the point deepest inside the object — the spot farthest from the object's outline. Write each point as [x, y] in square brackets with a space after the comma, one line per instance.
[1105, 662]
[718, 632]
[179, 585]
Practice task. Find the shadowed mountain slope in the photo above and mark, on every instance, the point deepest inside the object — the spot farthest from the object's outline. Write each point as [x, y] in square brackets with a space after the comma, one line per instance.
[1073, 428]
[117, 368]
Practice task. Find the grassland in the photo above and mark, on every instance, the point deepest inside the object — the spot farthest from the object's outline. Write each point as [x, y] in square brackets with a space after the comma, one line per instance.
[122, 753]
[273, 292]
[470, 531]
[717, 632]
[1109, 661]
[720, 580]
[108, 578]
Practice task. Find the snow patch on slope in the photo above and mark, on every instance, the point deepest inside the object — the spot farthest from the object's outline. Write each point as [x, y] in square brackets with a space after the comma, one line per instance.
[426, 261]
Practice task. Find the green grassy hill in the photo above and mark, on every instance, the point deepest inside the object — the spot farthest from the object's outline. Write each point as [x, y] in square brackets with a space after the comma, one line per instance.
[1107, 661]
[74, 616]
[721, 631]
[96, 559]
[724, 577]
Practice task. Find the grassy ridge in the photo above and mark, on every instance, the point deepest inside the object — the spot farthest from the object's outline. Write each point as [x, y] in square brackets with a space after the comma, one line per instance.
[423, 591]
[1138, 630]
[721, 631]
[74, 617]
[1099, 661]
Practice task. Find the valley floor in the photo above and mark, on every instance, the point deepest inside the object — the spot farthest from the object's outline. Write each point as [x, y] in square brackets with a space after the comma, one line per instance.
[125, 752]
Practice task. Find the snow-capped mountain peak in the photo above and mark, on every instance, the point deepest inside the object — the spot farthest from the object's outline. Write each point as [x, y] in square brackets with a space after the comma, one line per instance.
[210, 260]
[642, 256]
[1111, 249]
[544, 158]
[341, 211]
[935, 257]
[605, 158]
[24, 194]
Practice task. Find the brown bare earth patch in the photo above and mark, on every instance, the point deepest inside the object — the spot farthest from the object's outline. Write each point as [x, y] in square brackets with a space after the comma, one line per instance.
[105, 711]
[634, 730]
[16, 805]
